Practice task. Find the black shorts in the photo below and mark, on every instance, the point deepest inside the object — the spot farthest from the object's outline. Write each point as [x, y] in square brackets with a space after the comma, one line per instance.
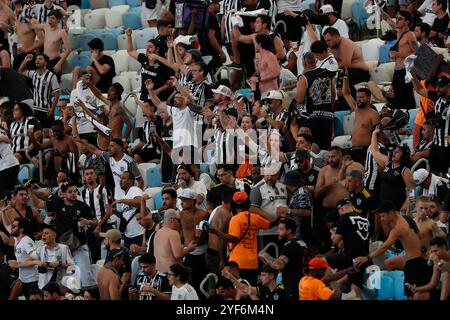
[26, 287]
[8, 177]
[343, 261]
[417, 273]
[439, 158]
[44, 119]
[147, 154]
[51, 66]
[359, 154]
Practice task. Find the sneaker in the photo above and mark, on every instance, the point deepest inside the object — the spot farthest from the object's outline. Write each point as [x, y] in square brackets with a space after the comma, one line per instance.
[234, 65]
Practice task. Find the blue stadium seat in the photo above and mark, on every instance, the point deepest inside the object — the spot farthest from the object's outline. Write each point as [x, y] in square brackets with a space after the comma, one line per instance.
[85, 4]
[204, 167]
[116, 31]
[131, 20]
[384, 51]
[137, 10]
[94, 32]
[359, 14]
[386, 291]
[134, 3]
[339, 122]
[84, 40]
[109, 41]
[26, 172]
[158, 200]
[82, 61]
[113, 3]
[398, 277]
[86, 53]
[74, 39]
[154, 177]
[412, 117]
[143, 37]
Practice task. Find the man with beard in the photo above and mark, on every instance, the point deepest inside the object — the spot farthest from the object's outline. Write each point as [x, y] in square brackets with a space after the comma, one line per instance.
[191, 217]
[330, 173]
[108, 278]
[291, 259]
[65, 155]
[186, 182]
[116, 113]
[365, 120]
[428, 229]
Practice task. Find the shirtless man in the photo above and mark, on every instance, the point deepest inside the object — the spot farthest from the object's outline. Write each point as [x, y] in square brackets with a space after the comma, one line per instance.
[191, 217]
[403, 228]
[63, 145]
[7, 18]
[427, 226]
[406, 45]
[330, 173]
[348, 55]
[116, 114]
[168, 249]
[55, 37]
[108, 278]
[26, 36]
[366, 119]
[219, 220]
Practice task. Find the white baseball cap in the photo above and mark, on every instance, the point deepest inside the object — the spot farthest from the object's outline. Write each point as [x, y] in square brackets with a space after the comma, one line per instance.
[187, 194]
[274, 95]
[420, 176]
[327, 8]
[223, 90]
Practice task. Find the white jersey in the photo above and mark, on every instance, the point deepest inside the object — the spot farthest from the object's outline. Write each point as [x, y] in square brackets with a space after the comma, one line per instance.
[23, 250]
[186, 292]
[7, 158]
[329, 63]
[199, 188]
[184, 127]
[340, 26]
[134, 229]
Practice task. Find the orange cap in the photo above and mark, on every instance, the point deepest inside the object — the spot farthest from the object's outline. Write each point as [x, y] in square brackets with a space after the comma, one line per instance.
[240, 197]
[318, 263]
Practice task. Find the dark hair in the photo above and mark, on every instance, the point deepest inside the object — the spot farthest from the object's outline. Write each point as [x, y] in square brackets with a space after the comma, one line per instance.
[226, 167]
[88, 168]
[183, 272]
[170, 191]
[24, 224]
[366, 91]
[16, 191]
[26, 110]
[335, 148]
[429, 123]
[252, 117]
[63, 171]
[319, 47]
[425, 28]
[443, 3]
[265, 41]
[268, 269]
[331, 31]
[35, 291]
[46, 58]
[203, 67]
[405, 160]
[118, 141]
[317, 273]
[231, 264]
[386, 206]
[265, 19]
[224, 283]
[66, 185]
[94, 293]
[309, 138]
[130, 175]
[155, 42]
[56, 13]
[147, 258]
[439, 241]
[290, 224]
[162, 23]
[227, 195]
[52, 287]
[118, 87]
[58, 123]
[408, 17]
[96, 43]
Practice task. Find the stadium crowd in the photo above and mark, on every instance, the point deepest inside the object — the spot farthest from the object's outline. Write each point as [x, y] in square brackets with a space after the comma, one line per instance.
[225, 172]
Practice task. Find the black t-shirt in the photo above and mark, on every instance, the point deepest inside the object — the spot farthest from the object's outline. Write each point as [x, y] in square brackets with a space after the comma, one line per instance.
[158, 281]
[126, 267]
[214, 196]
[158, 73]
[355, 233]
[67, 218]
[296, 251]
[211, 24]
[105, 80]
[162, 45]
[365, 205]
[13, 85]
[264, 293]
[167, 168]
[310, 177]
[440, 25]
[7, 278]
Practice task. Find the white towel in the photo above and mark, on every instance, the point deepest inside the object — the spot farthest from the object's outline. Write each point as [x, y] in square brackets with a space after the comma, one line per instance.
[409, 64]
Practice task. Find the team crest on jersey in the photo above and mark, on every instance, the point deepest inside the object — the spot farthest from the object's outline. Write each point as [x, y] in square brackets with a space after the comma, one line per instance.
[396, 173]
[122, 169]
[311, 178]
[358, 201]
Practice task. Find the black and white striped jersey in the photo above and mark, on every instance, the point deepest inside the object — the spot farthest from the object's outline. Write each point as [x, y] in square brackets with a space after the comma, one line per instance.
[441, 109]
[371, 168]
[43, 88]
[226, 147]
[19, 133]
[40, 11]
[97, 200]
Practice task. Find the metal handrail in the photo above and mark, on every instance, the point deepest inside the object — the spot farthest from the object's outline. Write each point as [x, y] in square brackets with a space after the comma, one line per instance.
[271, 244]
[427, 163]
[283, 24]
[202, 284]
[220, 70]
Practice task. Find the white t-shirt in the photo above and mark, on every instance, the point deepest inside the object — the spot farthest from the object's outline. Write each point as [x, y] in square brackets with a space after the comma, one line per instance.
[199, 188]
[184, 130]
[134, 229]
[292, 5]
[7, 158]
[186, 292]
[60, 253]
[427, 14]
[23, 250]
[329, 63]
[341, 26]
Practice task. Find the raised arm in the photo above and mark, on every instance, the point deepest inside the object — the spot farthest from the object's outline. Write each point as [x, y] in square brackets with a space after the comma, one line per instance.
[158, 103]
[130, 50]
[380, 158]
[91, 148]
[23, 66]
[67, 51]
[346, 92]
